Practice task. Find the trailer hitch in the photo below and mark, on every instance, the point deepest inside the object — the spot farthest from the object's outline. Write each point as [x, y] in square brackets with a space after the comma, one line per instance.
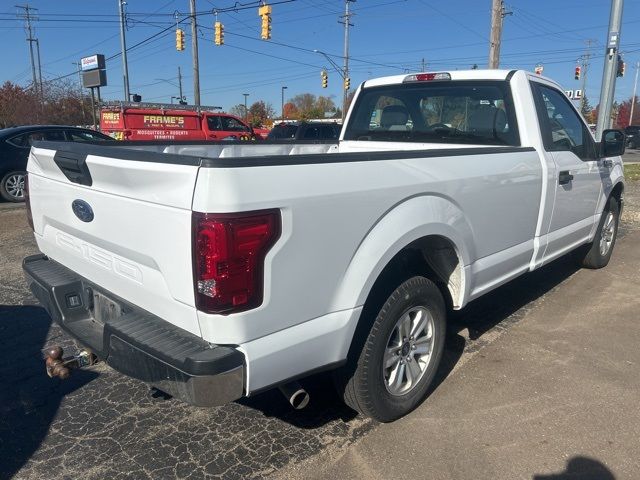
[61, 367]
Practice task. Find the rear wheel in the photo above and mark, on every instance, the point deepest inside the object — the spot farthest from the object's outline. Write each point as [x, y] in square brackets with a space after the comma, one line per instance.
[392, 373]
[598, 253]
[12, 186]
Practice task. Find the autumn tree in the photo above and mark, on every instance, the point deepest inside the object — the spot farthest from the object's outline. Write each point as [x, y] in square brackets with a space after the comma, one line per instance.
[291, 111]
[59, 103]
[18, 106]
[260, 112]
[309, 106]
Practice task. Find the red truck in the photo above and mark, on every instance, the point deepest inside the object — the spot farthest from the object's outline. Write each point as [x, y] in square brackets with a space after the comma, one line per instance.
[166, 122]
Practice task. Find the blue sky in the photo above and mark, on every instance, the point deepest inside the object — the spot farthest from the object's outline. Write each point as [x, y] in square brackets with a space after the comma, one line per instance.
[388, 37]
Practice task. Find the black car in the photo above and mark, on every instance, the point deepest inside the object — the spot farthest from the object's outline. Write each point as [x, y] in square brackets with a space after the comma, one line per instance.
[304, 131]
[633, 136]
[15, 143]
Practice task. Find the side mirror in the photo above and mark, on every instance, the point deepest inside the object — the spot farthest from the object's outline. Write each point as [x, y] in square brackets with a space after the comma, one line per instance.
[612, 144]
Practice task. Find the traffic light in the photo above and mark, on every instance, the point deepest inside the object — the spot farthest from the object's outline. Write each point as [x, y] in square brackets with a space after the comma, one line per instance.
[347, 83]
[179, 39]
[219, 33]
[621, 67]
[264, 12]
[577, 74]
[325, 78]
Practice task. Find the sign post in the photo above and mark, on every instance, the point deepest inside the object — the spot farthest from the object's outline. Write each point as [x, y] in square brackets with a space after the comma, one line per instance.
[94, 75]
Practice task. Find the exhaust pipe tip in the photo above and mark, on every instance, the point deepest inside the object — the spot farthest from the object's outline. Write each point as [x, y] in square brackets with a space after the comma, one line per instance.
[297, 396]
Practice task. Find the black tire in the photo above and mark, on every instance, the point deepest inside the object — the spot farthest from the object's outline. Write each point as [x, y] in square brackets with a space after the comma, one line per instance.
[594, 255]
[362, 381]
[12, 186]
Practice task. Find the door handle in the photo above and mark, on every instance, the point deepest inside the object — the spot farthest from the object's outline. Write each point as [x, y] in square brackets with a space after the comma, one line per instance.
[564, 177]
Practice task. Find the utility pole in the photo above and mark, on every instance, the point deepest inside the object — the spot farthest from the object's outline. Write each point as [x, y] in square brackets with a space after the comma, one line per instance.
[633, 98]
[496, 33]
[498, 12]
[610, 68]
[123, 46]
[180, 84]
[346, 17]
[194, 54]
[28, 17]
[585, 69]
[39, 67]
[424, 66]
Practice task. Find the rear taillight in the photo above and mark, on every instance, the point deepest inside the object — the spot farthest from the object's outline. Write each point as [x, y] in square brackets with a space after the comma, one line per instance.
[27, 201]
[228, 258]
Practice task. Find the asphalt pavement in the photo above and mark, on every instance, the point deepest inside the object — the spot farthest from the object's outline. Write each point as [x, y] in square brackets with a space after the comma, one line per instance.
[539, 380]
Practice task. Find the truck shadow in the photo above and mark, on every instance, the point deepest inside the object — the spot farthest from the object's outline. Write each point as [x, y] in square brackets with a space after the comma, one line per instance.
[582, 468]
[29, 399]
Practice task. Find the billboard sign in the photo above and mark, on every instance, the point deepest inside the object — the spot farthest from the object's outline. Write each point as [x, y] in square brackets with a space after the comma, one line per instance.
[92, 63]
[94, 78]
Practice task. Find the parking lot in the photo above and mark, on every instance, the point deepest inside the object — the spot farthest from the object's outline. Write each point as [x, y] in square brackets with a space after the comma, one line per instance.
[99, 424]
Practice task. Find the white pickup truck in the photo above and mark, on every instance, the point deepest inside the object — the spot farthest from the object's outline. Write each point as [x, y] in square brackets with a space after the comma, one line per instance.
[213, 271]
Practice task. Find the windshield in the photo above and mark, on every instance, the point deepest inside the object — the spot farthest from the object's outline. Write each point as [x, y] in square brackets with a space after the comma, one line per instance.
[466, 112]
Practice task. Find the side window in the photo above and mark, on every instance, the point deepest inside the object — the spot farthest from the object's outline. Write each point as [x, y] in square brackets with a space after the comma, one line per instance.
[233, 125]
[214, 123]
[80, 136]
[561, 127]
[19, 141]
[311, 133]
[55, 136]
[329, 131]
[35, 137]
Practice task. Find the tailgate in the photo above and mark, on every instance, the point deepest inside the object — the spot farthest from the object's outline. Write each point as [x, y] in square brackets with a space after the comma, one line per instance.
[130, 230]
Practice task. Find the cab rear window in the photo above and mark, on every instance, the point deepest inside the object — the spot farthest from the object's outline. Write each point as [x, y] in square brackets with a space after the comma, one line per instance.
[458, 112]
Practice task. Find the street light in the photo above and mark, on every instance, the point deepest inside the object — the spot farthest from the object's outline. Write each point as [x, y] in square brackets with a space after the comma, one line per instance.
[343, 72]
[283, 89]
[246, 113]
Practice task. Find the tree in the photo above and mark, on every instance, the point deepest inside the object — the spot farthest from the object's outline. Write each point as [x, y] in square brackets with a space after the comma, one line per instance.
[260, 112]
[238, 111]
[306, 105]
[586, 107]
[309, 106]
[18, 106]
[291, 111]
[59, 104]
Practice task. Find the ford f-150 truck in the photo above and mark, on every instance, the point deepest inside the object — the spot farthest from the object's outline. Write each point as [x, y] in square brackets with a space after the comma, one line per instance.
[215, 271]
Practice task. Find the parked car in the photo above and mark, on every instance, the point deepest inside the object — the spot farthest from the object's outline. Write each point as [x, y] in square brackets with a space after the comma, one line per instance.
[214, 272]
[632, 133]
[304, 131]
[15, 143]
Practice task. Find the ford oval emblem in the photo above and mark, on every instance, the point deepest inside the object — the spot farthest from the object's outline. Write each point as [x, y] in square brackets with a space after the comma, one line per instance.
[82, 210]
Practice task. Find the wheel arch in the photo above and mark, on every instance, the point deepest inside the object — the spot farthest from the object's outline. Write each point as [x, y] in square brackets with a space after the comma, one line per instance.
[425, 235]
[617, 192]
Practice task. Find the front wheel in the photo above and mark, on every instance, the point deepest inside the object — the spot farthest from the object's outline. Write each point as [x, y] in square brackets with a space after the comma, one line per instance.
[12, 186]
[399, 359]
[598, 253]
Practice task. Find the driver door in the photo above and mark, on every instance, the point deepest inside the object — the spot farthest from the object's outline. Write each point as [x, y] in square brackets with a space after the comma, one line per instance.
[577, 181]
